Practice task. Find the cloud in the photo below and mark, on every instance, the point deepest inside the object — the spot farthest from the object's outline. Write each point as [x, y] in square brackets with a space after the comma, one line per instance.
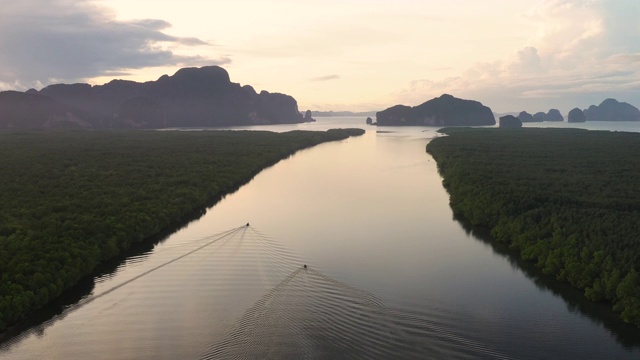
[318, 40]
[527, 60]
[582, 52]
[326, 78]
[73, 40]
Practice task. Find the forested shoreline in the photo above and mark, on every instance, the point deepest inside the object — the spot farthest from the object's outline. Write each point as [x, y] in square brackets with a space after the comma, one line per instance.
[567, 200]
[71, 200]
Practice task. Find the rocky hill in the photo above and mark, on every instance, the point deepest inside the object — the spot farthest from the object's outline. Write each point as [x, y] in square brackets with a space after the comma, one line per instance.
[191, 97]
[525, 117]
[608, 110]
[576, 115]
[612, 110]
[554, 115]
[445, 110]
[20, 110]
[510, 121]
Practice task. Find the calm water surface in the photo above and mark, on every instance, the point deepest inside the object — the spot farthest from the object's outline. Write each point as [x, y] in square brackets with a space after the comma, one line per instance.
[390, 274]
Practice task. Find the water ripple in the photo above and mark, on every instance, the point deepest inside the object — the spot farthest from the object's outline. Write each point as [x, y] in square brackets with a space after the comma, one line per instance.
[261, 303]
[309, 315]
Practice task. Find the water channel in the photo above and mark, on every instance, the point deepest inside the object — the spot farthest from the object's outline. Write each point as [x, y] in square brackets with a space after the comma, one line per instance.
[390, 275]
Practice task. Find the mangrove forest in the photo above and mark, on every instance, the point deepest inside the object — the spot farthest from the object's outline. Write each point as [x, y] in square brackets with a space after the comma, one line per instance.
[566, 199]
[70, 200]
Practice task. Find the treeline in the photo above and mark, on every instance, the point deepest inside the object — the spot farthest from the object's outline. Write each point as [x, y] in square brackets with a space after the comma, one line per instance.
[70, 200]
[566, 199]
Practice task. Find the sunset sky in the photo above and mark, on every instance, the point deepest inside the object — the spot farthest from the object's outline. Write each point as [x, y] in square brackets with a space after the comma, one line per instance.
[339, 55]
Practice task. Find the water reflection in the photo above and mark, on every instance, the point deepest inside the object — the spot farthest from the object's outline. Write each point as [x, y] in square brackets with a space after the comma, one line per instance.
[311, 315]
[58, 309]
[389, 272]
[625, 334]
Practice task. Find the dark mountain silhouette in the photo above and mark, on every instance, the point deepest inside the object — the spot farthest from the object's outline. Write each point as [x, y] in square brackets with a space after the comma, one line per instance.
[525, 117]
[140, 112]
[443, 111]
[576, 115]
[612, 110]
[20, 110]
[308, 116]
[191, 97]
[554, 115]
[510, 121]
[539, 116]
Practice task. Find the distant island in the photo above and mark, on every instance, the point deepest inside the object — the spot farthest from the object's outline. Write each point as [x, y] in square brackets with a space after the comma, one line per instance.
[551, 115]
[509, 121]
[576, 115]
[608, 110]
[308, 116]
[445, 110]
[192, 97]
[612, 110]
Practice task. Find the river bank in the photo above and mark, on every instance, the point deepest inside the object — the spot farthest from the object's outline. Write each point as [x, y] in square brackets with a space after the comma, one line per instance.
[75, 199]
[371, 216]
[565, 199]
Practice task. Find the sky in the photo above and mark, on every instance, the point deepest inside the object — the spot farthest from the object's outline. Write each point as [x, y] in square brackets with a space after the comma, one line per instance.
[339, 55]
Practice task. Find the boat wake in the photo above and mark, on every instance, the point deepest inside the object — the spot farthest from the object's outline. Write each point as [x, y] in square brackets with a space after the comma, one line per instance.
[309, 315]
